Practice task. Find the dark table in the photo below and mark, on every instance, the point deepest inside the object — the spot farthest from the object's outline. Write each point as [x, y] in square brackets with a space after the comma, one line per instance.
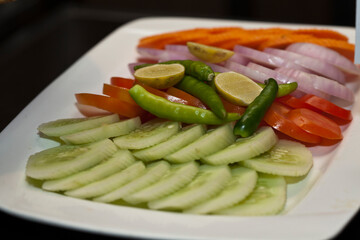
[34, 56]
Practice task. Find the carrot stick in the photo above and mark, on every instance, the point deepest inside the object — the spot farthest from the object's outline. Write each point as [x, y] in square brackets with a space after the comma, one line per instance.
[322, 33]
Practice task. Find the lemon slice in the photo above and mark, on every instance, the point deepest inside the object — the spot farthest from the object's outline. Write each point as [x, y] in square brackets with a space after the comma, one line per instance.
[160, 76]
[209, 53]
[237, 88]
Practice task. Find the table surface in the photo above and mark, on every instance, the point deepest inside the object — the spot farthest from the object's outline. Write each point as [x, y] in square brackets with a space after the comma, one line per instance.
[38, 46]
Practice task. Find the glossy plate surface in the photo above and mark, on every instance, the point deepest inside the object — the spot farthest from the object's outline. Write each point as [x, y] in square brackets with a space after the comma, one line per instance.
[318, 206]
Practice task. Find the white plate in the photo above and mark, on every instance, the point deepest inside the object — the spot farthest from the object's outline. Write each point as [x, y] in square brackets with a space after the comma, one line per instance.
[318, 207]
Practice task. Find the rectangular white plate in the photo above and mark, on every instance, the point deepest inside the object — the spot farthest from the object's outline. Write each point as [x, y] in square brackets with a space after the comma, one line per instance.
[318, 207]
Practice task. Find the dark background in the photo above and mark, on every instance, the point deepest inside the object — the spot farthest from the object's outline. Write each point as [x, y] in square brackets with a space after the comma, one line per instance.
[39, 39]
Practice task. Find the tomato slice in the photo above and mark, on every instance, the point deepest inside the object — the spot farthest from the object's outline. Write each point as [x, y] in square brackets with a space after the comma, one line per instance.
[163, 94]
[110, 104]
[146, 60]
[326, 106]
[232, 108]
[122, 82]
[292, 101]
[118, 92]
[90, 111]
[315, 123]
[192, 101]
[277, 118]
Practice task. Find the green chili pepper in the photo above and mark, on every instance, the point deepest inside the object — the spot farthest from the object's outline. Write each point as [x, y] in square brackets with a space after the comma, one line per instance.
[197, 69]
[284, 89]
[163, 108]
[254, 113]
[205, 93]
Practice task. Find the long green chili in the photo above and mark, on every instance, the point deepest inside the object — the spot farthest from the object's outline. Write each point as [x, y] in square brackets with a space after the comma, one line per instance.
[284, 89]
[205, 93]
[254, 113]
[163, 108]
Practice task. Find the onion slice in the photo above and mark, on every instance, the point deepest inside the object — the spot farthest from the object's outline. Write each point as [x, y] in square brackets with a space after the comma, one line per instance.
[266, 59]
[217, 68]
[164, 55]
[132, 65]
[317, 66]
[253, 74]
[325, 54]
[304, 86]
[322, 84]
[238, 58]
[177, 48]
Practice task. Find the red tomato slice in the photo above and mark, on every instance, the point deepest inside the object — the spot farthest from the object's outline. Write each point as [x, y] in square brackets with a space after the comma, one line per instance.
[292, 101]
[146, 60]
[277, 118]
[326, 106]
[315, 123]
[118, 92]
[110, 104]
[193, 101]
[232, 108]
[90, 111]
[122, 82]
[163, 94]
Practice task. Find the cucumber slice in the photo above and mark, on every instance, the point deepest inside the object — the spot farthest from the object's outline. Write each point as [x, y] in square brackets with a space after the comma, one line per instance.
[287, 158]
[207, 184]
[179, 176]
[65, 160]
[153, 173]
[241, 184]
[110, 183]
[149, 134]
[119, 161]
[171, 145]
[62, 127]
[211, 142]
[104, 131]
[244, 148]
[268, 198]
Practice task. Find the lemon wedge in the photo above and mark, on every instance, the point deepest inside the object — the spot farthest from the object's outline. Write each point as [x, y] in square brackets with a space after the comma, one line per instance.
[209, 53]
[237, 88]
[160, 76]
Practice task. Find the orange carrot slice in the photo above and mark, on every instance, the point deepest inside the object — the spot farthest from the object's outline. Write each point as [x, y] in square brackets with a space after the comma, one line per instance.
[271, 31]
[284, 40]
[217, 39]
[160, 40]
[322, 33]
[252, 41]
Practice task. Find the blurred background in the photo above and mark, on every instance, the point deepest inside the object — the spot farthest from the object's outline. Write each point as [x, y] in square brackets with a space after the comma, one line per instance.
[39, 39]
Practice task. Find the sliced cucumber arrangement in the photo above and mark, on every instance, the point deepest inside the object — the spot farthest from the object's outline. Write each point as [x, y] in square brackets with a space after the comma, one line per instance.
[268, 198]
[120, 160]
[244, 148]
[165, 166]
[213, 141]
[173, 144]
[287, 158]
[208, 183]
[179, 176]
[65, 160]
[153, 173]
[149, 134]
[62, 127]
[241, 184]
[109, 183]
[102, 132]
